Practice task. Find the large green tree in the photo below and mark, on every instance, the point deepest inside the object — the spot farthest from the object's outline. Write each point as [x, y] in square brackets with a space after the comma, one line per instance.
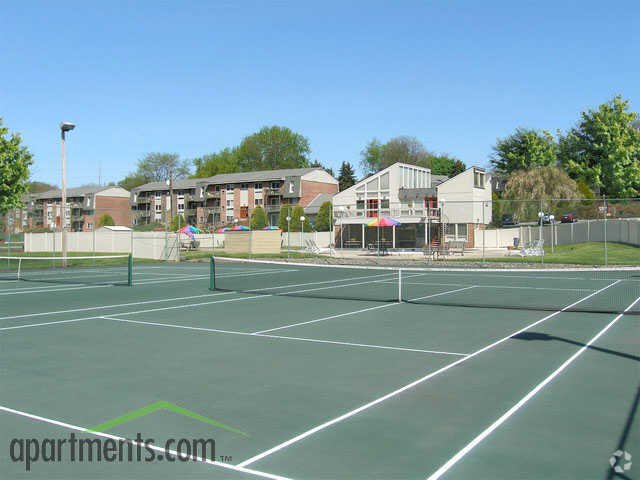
[157, 167]
[258, 218]
[524, 149]
[15, 161]
[377, 156]
[297, 213]
[285, 210]
[273, 148]
[535, 184]
[323, 220]
[604, 149]
[347, 176]
[225, 161]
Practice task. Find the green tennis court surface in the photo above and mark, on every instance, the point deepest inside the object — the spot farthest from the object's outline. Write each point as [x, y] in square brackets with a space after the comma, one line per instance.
[309, 373]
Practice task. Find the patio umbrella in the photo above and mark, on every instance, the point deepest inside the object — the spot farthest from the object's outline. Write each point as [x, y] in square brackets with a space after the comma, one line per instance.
[383, 222]
[271, 228]
[222, 230]
[240, 227]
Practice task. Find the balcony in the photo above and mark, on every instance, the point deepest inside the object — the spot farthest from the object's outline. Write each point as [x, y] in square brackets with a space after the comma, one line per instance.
[393, 212]
[273, 207]
[212, 194]
[189, 212]
[143, 200]
[212, 210]
[272, 191]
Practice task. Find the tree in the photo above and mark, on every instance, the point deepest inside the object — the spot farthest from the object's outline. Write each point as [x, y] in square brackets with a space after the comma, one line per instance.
[224, 161]
[323, 220]
[258, 218]
[458, 168]
[524, 149]
[132, 181]
[535, 184]
[446, 165]
[376, 156]
[157, 167]
[39, 187]
[273, 148]
[604, 149]
[15, 161]
[296, 224]
[106, 220]
[282, 218]
[177, 222]
[347, 176]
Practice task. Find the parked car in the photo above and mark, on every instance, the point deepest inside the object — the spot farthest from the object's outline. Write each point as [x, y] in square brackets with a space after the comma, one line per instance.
[545, 219]
[569, 218]
[508, 219]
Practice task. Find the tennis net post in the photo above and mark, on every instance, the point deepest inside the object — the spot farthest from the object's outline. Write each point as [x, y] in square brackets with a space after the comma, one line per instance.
[212, 273]
[130, 271]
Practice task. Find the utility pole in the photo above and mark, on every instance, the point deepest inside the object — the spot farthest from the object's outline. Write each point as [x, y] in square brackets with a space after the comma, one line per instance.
[64, 127]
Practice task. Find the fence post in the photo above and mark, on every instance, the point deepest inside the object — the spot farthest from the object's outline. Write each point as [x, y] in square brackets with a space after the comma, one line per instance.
[606, 259]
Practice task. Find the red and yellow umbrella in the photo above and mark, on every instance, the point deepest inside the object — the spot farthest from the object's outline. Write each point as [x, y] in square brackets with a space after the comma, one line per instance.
[383, 222]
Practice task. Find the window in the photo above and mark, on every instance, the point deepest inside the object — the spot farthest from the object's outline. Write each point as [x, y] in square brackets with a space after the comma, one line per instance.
[291, 185]
[90, 226]
[478, 179]
[360, 204]
[244, 186]
[217, 188]
[229, 188]
[384, 203]
[229, 203]
[275, 185]
[456, 231]
[257, 202]
[158, 207]
[257, 186]
[244, 212]
[372, 207]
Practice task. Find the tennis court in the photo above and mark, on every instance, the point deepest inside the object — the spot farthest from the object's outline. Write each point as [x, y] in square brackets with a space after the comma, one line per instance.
[315, 372]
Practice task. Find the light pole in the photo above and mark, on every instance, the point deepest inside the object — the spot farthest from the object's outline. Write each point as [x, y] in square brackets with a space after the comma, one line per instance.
[64, 127]
[288, 235]
[302, 219]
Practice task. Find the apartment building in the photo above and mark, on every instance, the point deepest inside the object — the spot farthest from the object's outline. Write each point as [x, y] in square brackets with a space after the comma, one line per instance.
[221, 199]
[85, 206]
[431, 208]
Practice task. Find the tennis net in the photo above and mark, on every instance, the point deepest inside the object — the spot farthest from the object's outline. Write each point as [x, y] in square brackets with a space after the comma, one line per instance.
[99, 269]
[596, 290]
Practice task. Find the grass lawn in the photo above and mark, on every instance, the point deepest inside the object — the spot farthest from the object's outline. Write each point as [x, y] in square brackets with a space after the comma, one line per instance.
[588, 253]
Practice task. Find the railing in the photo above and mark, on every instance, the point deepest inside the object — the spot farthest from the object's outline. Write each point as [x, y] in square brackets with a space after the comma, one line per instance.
[143, 200]
[273, 207]
[272, 191]
[189, 212]
[389, 212]
[212, 194]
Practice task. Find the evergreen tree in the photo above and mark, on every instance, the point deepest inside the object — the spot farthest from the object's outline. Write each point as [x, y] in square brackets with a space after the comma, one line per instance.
[323, 221]
[347, 176]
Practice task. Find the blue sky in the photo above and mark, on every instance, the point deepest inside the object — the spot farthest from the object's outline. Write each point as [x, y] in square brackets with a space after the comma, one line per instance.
[194, 77]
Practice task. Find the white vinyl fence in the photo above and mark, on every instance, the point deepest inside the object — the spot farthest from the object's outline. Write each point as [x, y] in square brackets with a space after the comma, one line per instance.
[296, 239]
[619, 230]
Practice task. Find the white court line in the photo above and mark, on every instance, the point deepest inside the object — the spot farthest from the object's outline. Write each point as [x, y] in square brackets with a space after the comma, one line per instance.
[458, 456]
[359, 311]
[47, 323]
[207, 461]
[502, 286]
[278, 337]
[379, 400]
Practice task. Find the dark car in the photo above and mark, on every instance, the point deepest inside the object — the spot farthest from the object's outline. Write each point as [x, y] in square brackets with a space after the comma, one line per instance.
[569, 218]
[508, 219]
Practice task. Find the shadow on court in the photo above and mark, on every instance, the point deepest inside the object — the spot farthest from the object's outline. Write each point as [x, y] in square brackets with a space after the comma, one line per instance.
[546, 337]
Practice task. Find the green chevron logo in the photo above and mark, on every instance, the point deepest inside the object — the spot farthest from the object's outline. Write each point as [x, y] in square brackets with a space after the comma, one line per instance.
[127, 417]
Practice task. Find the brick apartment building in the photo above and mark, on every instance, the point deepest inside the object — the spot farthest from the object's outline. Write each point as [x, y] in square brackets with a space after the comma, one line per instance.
[85, 206]
[213, 201]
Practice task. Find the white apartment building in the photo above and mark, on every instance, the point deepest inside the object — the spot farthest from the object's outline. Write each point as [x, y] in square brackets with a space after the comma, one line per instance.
[431, 208]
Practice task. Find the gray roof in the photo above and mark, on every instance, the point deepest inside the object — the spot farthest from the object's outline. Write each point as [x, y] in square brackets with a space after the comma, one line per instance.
[71, 192]
[259, 176]
[314, 205]
[241, 177]
[416, 193]
[179, 184]
[438, 179]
